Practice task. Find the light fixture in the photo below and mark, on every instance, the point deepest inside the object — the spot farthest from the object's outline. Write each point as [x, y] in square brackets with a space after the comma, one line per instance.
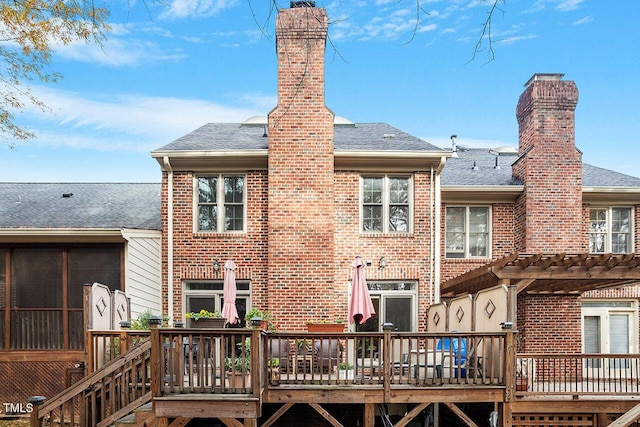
[383, 262]
[216, 265]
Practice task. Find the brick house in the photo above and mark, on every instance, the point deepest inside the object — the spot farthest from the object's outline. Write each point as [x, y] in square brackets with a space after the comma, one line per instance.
[293, 198]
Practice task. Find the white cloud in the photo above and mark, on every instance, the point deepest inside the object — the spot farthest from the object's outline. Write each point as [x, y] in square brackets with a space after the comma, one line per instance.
[128, 121]
[584, 20]
[568, 5]
[178, 9]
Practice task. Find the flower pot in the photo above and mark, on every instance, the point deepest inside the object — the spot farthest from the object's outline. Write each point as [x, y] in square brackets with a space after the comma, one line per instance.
[215, 323]
[346, 374]
[238, 380]
[325, 327]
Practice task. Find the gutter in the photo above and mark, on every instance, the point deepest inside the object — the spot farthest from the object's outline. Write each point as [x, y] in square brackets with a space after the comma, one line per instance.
[167, 166]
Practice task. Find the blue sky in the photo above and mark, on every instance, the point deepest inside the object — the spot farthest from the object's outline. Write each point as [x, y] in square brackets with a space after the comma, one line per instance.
[170, 67]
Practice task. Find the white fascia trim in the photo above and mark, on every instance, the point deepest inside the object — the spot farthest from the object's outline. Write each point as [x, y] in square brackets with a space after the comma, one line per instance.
[128, 233]
[66, 232]
[392, 154]
[209, 153]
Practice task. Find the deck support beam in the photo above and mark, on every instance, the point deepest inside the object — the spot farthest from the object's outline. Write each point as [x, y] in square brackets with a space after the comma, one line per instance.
[411, 415]
[369, 414]
[326, 415]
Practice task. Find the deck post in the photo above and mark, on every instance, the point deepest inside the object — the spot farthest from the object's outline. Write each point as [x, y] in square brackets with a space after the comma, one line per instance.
[369, 415]
[386, 357]
[257, 355]
[156, 373]
[510, 365]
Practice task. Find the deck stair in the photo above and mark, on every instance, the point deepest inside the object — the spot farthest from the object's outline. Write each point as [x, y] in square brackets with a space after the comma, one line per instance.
[141, 417]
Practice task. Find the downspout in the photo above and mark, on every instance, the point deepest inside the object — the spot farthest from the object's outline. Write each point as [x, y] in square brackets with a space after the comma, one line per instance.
[169, 169]
[438, 238]
[433, 236]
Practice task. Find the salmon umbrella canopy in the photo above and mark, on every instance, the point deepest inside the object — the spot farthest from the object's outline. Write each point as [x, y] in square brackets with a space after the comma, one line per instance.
[360, 306]
[229, 310]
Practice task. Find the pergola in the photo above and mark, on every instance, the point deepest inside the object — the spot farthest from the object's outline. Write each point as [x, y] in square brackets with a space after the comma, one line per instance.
[547, 274]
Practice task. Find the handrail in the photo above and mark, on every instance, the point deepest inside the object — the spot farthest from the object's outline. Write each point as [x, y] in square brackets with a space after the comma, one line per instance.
[128, 372]
[578, 374]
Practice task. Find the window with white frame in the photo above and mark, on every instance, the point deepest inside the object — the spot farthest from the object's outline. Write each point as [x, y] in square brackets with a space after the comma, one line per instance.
[386, 204]
[609, 327]
[221, 203]
[610, 230]
[209, 296]
[467, 231]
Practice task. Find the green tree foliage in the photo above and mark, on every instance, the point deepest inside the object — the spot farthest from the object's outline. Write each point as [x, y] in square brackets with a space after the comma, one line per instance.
[29, 32]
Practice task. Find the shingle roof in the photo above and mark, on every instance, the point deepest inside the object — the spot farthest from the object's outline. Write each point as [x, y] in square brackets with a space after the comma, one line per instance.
[361, 136]
[460, 172]
[87, 205]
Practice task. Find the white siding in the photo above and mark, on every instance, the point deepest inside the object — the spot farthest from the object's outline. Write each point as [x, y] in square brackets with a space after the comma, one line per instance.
[143, 271]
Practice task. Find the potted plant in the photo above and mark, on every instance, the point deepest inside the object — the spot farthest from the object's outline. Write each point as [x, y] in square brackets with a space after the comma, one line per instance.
[206, 319]
[268, 321]
[273, 368]
[324, 325]
[345, 371]
[238, 367]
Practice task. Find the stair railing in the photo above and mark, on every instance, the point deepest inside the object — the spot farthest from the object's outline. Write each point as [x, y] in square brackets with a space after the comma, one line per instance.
[103, 396]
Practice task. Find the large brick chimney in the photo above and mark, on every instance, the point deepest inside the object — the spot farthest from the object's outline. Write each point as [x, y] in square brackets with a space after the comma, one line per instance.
[301, 190]
[549, 212]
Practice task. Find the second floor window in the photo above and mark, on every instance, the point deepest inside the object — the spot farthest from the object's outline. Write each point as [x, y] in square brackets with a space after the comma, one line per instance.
[467, 232]
[386, 204]
[221, 201]
[610, 230]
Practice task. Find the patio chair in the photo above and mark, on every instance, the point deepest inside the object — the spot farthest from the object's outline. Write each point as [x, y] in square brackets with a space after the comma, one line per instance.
[327, 354]
[454, 355]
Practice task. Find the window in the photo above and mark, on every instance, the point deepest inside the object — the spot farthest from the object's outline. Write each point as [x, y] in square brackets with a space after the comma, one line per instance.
[467, 232]
[386, 204]
[610, 230]
[221, 201]
[609, 328]
[209, 295]
[394, 302]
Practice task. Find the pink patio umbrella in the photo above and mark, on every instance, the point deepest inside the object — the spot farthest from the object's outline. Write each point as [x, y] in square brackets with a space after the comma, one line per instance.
[360, 305]
[229, 310]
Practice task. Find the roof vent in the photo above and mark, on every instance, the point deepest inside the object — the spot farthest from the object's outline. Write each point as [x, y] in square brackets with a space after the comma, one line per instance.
[389, 135]
[67, 195]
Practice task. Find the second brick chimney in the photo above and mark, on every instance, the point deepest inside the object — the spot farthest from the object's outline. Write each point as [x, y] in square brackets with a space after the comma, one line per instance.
[549, 212]
[301, 188]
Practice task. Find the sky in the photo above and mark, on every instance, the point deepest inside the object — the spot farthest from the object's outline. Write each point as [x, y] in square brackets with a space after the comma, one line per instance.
[171, 66]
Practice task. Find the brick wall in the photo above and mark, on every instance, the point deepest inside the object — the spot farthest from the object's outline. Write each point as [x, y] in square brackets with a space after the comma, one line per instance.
[407, 254]
[548, 213]
[502, 241]
[194, 252]
[301, 182]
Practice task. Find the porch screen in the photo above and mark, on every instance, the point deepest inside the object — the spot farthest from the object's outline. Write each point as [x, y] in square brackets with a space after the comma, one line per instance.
[46, 292]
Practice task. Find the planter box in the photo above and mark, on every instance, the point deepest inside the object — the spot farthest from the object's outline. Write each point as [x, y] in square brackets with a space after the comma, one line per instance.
[238, 380]
[216, 323]
[346, 374]
[325, 327]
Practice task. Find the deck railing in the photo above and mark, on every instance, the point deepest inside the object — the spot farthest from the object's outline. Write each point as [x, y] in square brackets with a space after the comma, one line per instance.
[578, 374]
[205, 361]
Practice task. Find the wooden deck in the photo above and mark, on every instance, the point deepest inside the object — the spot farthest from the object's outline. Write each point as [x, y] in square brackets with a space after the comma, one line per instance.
[185, 373]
